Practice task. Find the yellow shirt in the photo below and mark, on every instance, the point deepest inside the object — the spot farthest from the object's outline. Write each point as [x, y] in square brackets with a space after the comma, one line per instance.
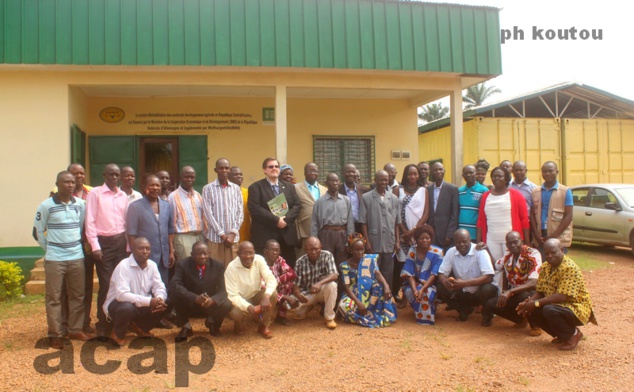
[567, 279]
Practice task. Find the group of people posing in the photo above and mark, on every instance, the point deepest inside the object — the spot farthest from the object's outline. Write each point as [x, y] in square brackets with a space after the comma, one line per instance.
[274, 251]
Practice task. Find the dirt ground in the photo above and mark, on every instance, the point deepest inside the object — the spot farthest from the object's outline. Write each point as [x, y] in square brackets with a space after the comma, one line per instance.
[449, 356]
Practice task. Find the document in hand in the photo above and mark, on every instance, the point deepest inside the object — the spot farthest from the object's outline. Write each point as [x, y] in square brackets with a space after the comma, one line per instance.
[278, 205]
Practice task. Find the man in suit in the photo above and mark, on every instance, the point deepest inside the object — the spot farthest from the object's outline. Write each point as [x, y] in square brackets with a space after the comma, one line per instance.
[380, 220]
[264, 224]
[354, 192]
[198, 290]
[308, 191]
[444, 207]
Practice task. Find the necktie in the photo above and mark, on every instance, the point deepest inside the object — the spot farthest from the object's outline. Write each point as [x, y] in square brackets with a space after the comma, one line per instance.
[200, 273]
[276, 189]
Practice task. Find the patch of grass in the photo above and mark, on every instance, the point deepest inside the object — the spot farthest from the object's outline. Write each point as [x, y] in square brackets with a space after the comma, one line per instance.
[461, 388]
[523, 381]
[587, 263]
[483, 361]
[445, 356]
[406, 345]
[21, 306]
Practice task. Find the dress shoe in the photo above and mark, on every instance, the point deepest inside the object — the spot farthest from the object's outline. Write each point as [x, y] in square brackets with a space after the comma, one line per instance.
[464, 314]
[557, 341]
[535, 331]
[80, 336]
[88, 329]
[571, 343]
[331, 324]
[138, 331]
[117, 341]
[185, 332]
[265, 331]
[486, 322]
[284, 321]
[214, 330]
[165, 324]
[56, 343]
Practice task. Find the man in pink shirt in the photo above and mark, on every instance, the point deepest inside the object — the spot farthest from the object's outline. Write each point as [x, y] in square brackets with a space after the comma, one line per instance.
[105, 231]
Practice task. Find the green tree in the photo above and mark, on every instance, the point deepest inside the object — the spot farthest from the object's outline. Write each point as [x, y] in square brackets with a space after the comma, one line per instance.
[476, 95]
[433, 112]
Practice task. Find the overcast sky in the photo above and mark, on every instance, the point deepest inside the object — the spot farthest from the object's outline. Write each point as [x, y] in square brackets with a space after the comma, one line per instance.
[533, 64]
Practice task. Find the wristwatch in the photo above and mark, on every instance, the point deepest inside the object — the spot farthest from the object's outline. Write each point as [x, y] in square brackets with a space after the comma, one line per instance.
[537, 304]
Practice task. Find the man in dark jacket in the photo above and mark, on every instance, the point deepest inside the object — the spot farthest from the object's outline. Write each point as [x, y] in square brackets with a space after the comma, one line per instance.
[198, 290]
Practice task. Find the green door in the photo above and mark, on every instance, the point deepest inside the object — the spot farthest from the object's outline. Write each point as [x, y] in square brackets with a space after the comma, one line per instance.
[122, 150]
[192, 151]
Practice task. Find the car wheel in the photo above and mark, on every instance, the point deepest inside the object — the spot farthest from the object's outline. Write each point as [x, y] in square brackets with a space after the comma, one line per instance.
[632, 241]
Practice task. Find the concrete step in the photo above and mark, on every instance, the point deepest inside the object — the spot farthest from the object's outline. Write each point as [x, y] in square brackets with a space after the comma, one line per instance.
[39, 287]
[39, 274]
[37, 284]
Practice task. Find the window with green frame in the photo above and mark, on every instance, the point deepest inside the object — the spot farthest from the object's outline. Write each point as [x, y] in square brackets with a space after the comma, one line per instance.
[331, 153]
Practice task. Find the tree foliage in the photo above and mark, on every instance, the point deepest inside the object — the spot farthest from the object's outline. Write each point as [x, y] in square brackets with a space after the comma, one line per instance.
[433, 112]
[476, 95]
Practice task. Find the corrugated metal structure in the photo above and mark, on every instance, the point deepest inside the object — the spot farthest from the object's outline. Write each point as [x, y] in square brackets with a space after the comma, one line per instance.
[588, 132]
[350, 34]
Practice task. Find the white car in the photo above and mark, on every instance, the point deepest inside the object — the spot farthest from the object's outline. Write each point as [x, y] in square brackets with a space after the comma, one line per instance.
[604, 214]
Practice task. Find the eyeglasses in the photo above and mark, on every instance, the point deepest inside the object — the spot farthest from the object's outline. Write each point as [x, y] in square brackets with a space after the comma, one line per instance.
[273, 167]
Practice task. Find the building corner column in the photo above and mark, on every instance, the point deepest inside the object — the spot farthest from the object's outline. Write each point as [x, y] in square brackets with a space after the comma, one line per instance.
[281, 142]
[456, 134]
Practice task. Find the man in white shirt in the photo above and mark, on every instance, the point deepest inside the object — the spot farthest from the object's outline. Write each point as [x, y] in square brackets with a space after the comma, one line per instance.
[472, 270]
[243, 282]
[136, 296]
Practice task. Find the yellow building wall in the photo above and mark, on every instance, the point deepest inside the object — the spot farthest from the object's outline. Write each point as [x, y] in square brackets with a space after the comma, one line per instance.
[38, 107]
[77, 107]
[246, 147]
[599, 150]
[391, 122]
[532, 140]
[435, 145]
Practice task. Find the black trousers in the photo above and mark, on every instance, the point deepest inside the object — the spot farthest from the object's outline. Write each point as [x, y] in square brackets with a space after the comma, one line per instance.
[508, 312]
[185, 311]
[463, 301]
[113, 250]
[124, 313]
[558, 321]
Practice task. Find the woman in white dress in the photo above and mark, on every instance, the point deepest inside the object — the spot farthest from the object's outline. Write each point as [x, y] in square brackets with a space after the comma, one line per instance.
[414, 210]
[502, 210]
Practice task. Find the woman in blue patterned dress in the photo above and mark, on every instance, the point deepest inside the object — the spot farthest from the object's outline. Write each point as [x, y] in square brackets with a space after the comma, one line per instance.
[419, 274]
[367, 299]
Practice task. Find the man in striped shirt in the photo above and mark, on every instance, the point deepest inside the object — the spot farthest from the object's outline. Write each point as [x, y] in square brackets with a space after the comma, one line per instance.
[61, 217]
[187, 207]
[469, 197]
[223, 213]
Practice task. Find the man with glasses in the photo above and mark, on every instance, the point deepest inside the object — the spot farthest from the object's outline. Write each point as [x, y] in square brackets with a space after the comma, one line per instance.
[274, 207]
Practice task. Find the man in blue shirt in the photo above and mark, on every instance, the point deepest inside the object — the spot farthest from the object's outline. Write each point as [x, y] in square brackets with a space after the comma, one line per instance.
[551, 213]
[469, 197]
[61, 217]
[522, 184]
